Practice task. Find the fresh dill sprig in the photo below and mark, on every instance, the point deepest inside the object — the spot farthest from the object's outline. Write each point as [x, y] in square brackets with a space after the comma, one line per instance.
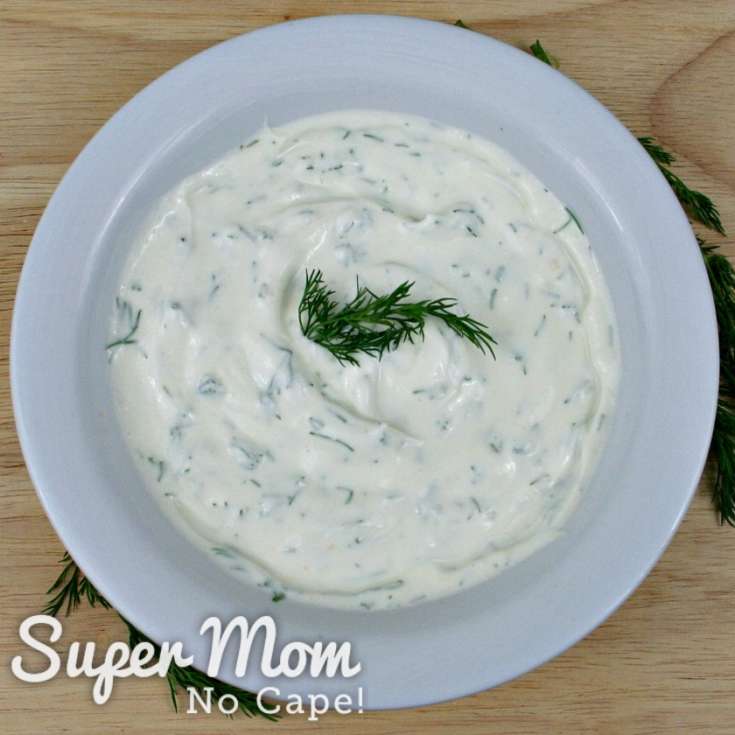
[722, 280]
[72, 586]
[371, 325]
[723, 447]
[721, 276]
[697, 205]
[543, 55]
[185, 676]
[659, 154]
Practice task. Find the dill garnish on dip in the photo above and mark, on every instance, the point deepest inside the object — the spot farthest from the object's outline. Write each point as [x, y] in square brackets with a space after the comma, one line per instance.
[302, 350]
[372, 324]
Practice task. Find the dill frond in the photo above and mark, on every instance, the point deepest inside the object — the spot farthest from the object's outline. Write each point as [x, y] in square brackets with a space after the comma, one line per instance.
[722, 280]
[72, 586]
[183, 677]
[371, 325]
[696, 204]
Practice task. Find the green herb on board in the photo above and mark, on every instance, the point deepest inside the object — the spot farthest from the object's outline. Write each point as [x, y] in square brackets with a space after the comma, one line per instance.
[722, 280]
[72, 586]
[543, 55]
[697, 205]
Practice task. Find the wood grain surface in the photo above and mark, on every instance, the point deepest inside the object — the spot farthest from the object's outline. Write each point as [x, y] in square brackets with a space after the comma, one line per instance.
[664, 662]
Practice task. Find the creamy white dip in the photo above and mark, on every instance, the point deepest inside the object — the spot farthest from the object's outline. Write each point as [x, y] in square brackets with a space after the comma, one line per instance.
[401, 479]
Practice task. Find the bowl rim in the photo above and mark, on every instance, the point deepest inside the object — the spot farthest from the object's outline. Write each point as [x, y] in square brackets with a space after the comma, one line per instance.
[25, 382]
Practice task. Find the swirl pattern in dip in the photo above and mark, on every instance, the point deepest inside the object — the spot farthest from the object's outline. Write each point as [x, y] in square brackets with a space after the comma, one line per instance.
[401, 479]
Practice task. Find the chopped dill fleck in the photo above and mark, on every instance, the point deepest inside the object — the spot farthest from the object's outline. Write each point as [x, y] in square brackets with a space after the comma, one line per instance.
[128, 338]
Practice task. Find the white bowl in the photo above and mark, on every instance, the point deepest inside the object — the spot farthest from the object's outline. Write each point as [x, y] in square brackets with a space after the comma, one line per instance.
[648, 472]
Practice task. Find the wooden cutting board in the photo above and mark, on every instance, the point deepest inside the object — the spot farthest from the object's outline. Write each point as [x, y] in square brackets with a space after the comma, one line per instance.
[664, 662]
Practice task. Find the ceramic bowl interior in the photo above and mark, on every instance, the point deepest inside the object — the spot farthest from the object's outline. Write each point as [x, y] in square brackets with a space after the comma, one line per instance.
[206, 106]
